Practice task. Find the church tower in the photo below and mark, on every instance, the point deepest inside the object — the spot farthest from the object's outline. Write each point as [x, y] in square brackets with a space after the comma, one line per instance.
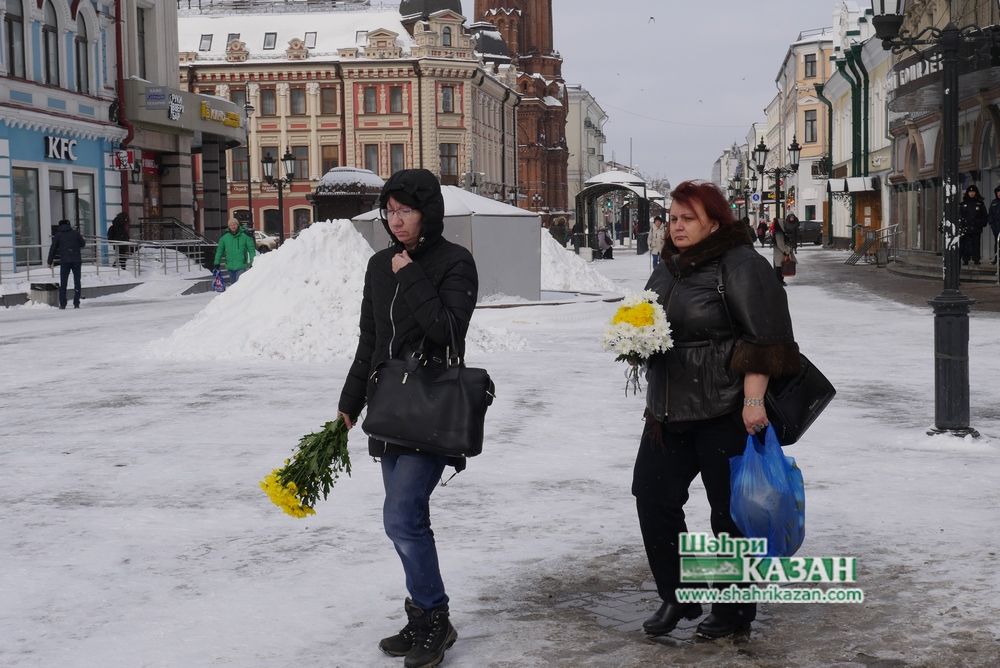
[543, 158]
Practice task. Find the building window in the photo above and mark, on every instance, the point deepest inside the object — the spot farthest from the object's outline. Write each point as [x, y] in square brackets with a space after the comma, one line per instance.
[232, 37]
[301, 154]
[330, 157]
[446, 37]
[310, 40]
[371, 101]
[371, 157]
[13, 28]
[84, 186]
[449, 164]
[810, 126]
[205, 44]
[238, 97]
[141, 26]
[50, 46]
[448, 99]
[268, 102]
[810, 65]
[328, 100]
[810, 212]
[270, 40]
[82, 47]
[297, 100]
[397, 157]
[300, 219]
[27, 217]
[396, 100]
[241, 165]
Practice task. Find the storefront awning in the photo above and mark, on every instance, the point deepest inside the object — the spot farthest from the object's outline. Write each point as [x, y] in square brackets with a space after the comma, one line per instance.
[853, 184]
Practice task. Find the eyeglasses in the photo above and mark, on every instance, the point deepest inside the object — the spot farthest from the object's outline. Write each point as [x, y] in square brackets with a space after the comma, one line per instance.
[402, 213]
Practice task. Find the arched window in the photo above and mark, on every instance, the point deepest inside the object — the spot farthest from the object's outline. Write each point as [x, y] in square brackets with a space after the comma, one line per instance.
[82, 46]
[50, 46]
[13, 28]
[446, 37]
[989, 157]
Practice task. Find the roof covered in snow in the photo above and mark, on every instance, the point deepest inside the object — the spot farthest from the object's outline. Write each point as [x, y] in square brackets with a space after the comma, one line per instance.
[349, 179]
[459, 202]
[617, 177]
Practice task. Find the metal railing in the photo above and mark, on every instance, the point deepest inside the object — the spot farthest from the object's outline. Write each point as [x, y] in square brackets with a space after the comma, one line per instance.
[879, 246]
[23, 263]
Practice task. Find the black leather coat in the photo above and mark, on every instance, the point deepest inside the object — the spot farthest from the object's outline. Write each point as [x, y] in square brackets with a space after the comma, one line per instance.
[701, 376]
[399, 310]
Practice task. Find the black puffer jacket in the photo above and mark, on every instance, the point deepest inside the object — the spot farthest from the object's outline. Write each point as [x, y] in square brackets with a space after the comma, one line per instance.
[66, 244]
[972, 214]
[398, 310]
[701, 376]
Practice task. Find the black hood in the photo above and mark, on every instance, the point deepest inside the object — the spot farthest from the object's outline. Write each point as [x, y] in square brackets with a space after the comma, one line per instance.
[421, 190]
[64, 225]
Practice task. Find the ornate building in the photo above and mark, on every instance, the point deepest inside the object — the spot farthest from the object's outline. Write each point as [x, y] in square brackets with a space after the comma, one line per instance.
[350, 86]
[543, 156]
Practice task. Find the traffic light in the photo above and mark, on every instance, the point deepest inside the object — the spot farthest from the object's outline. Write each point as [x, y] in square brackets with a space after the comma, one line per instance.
[608, 203]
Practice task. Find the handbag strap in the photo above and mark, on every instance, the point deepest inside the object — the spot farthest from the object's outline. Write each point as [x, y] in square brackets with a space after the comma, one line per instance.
[452, 358]
[720, 287]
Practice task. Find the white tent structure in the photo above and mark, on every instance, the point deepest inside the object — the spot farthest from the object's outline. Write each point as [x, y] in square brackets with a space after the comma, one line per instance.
[503, 240]
[601, 185]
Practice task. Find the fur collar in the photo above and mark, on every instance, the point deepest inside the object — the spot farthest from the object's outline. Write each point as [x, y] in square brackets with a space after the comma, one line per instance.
[710, 248]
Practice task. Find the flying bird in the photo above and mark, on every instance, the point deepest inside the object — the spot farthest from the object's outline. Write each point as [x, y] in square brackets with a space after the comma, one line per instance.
[652, 19]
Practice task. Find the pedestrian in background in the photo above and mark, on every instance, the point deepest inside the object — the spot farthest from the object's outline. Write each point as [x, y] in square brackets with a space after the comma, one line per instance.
[706, 393]
[605, 244]
[418, 293]
[972, 215]
[994, 219]
[118, 232]
[783, 249]
[792, 230]
[67, 244]
[236, 246]
[657, 235]
[762, 233]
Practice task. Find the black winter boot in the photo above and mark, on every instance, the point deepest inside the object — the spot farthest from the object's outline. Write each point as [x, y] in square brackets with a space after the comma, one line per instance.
[434, 635]
[402, 642]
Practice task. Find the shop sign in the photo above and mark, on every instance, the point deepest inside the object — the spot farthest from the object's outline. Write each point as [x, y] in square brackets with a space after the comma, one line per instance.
[176, 107]
[121, 159]
[156, 97]
[60, 148]
[228, 118]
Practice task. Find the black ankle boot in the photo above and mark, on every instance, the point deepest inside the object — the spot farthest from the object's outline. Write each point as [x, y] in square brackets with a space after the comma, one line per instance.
[715, 626]
[434, 635]
[666, 618]
[402, 642]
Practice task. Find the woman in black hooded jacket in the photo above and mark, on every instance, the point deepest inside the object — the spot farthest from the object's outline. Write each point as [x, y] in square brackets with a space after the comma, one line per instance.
[417, 289]
[731, 333]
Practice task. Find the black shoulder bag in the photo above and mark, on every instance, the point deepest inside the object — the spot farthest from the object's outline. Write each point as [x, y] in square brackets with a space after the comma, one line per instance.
[427, 407]
[792, 402]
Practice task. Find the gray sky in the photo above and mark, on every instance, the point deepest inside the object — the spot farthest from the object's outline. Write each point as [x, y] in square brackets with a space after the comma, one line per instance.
[685, 85]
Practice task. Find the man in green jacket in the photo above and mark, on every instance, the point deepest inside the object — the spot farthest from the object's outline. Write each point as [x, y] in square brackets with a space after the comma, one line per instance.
[237, 247]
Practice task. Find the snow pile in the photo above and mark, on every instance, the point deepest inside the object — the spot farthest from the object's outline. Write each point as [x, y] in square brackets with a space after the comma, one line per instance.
[563, 269]
[301, 302]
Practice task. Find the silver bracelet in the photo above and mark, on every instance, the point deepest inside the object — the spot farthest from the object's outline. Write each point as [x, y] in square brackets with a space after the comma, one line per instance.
[753, 401]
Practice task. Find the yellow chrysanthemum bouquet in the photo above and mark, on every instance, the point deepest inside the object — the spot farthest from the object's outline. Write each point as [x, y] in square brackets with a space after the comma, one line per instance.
[317, 463]
[638, 330]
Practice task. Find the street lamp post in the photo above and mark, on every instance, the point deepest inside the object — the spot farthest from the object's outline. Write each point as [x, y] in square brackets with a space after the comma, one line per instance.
[288, 163]
[951, 307]
[779, 172]
[248, 110]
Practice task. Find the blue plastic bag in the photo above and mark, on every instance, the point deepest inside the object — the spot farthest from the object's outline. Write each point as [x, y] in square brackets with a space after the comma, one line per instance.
[218, 282]
[768, 498]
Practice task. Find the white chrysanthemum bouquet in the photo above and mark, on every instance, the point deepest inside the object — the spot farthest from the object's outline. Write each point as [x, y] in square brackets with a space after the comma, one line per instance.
[638, 330]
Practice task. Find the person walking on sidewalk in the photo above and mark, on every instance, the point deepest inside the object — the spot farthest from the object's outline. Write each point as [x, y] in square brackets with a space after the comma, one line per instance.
[762, 233]
[657, 235]
[66, 245]
[783, 249]
[706, 393]
[237, 248]
[971, 221]
[420, 292]
[118, 232]
[994, 219]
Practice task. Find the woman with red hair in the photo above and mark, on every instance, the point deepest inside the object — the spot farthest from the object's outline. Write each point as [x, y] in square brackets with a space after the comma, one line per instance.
[732, 332]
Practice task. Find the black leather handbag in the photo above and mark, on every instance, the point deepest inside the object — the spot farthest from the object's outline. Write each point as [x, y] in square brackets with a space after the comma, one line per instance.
[435, 408]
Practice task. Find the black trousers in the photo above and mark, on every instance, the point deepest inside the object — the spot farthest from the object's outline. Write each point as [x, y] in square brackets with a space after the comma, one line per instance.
[64, 270]
[664, 468]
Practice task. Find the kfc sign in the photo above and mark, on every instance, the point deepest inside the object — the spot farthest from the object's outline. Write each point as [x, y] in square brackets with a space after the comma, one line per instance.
[59, 148]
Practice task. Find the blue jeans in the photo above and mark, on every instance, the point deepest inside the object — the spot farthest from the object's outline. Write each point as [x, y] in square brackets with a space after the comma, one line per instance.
[234, 275]
[656, 259]
[409, 480]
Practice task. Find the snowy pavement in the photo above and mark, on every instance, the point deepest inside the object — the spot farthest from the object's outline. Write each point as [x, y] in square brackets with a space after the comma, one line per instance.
[134, 533]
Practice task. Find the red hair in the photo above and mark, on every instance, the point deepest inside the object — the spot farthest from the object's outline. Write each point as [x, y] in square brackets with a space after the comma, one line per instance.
[709, 196]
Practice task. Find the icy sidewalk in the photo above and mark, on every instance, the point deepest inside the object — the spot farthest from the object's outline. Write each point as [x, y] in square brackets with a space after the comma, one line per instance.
[136, 534]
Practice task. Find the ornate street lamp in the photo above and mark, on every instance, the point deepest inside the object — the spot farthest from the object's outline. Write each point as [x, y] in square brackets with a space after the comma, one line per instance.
[288, 163]
[779, 172]
[951, 307]
[248, 110]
